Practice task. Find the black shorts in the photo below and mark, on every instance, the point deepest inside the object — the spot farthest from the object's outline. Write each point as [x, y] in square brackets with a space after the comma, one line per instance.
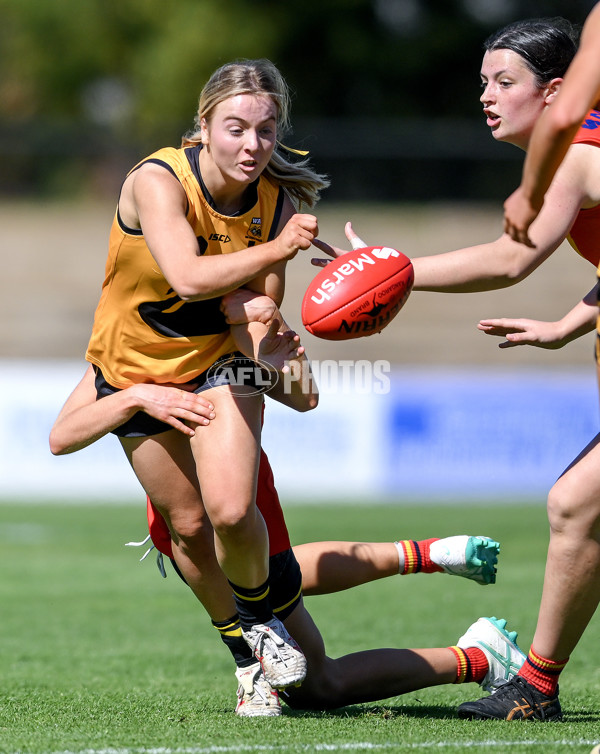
[142, 424]
[285, 583]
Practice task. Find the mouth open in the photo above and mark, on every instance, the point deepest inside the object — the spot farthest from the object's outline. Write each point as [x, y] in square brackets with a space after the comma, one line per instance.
[492, 119]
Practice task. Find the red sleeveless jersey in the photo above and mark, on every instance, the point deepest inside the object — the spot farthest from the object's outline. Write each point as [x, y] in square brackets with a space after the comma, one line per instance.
[584, 235]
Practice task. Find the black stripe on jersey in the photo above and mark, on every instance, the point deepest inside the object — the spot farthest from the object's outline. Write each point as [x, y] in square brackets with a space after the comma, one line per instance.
[138, 231]
[192, 153]
[155, 161]
[277, 214]
[175, 319]
[126, 228]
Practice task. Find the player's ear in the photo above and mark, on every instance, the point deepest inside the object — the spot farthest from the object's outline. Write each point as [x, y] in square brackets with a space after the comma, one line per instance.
[204, 131]
[552, 89]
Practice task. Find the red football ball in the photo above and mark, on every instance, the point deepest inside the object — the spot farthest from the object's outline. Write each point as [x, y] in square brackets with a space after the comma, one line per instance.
[357, 294]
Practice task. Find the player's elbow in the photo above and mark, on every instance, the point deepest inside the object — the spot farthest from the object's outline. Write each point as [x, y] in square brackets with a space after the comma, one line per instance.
[190, 292]
[514, 275]
[513, 268]
[57, 447]
[194, 288]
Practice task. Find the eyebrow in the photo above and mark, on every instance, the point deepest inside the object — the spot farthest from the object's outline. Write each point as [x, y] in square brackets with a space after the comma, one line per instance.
[243, 120]
[502, 72]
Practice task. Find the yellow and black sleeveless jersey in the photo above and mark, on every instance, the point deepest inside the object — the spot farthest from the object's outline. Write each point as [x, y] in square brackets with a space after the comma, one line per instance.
[143, 331]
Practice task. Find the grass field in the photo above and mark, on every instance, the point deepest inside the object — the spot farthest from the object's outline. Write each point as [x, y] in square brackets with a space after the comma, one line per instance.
[99, 654]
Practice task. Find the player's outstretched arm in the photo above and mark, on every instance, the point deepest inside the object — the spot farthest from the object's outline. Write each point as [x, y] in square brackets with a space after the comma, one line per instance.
[83, 419]
[553, 335]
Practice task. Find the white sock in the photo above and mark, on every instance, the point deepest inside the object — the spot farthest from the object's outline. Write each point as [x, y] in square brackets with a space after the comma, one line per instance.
[401, 561]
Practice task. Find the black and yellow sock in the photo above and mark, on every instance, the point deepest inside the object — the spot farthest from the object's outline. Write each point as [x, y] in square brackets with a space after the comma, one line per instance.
[230, 632]
[253, 605]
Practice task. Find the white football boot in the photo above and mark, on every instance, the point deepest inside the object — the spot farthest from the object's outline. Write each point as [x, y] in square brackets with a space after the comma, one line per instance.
[279, 654]
[255, 697]
[470, 557]
[498, 645]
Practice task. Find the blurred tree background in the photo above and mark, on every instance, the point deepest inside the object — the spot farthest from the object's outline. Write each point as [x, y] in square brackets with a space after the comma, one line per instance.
[386, 92]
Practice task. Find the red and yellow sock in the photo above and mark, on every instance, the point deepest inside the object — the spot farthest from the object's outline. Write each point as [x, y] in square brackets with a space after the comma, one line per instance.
[414, 557]
[542, 673]
[471, 664]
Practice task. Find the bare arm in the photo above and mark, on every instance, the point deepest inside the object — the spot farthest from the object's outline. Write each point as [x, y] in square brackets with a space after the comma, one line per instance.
[153, 200]
[271, 282]
[555, 131]
[250, 310]
[485, 267]
[83, 419]
[531, 332]
[257, 317]
[504, 262]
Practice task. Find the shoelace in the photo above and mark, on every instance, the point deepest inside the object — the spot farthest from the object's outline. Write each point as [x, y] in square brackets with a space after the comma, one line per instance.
[256, 688]
[279, 642]
[522, 688]
[159, 557]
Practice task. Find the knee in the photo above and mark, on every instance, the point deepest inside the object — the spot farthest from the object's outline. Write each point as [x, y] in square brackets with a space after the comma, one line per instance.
[560, 510]
[191, 531]
[232, 520]
[569, 512]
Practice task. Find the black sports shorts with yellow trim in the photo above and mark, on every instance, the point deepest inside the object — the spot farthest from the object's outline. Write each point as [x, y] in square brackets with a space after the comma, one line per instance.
[240, 370]
[285, 583]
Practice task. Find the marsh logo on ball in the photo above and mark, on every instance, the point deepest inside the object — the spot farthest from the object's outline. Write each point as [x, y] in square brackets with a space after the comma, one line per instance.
[358, 294]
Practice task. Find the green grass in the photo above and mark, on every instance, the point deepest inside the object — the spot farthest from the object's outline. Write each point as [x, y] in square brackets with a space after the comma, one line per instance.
[99, 654]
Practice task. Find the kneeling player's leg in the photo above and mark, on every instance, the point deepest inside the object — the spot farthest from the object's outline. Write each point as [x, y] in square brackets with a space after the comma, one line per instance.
[379, 674]
[334, 566]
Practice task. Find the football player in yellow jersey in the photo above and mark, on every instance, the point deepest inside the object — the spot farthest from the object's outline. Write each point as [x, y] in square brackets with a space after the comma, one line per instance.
[191, 225]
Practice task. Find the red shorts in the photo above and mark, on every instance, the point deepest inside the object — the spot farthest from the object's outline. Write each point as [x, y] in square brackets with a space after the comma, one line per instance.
[267, 501]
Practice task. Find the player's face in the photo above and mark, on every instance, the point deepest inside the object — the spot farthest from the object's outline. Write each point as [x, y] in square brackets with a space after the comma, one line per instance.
[241, 136]
[512, 101]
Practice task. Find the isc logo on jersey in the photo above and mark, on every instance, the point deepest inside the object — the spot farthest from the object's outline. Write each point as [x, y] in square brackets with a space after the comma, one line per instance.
[359, 265]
